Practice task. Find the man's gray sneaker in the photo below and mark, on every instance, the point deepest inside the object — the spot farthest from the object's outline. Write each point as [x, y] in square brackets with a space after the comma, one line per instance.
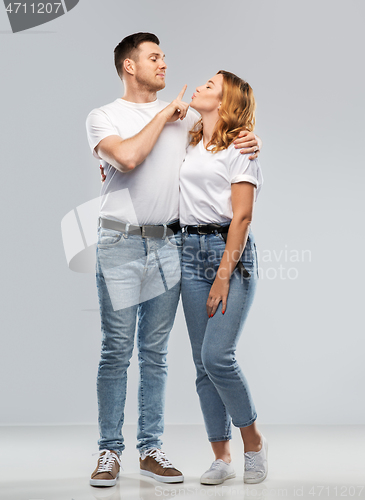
[256, 464]
[219, 471]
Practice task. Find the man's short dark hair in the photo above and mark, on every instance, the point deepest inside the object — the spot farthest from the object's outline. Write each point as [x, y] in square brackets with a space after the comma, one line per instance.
[127, 47]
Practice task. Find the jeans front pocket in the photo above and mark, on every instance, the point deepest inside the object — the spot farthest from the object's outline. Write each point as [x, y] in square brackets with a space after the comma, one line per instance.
[175, 240]
[247, 257]
[109, 237]
[257, 260]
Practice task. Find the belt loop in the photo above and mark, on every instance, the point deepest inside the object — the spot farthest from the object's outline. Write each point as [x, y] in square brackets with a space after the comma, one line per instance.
[164, 231]
[127, 230]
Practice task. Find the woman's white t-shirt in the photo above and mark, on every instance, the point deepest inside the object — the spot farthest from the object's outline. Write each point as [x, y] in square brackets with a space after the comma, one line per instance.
[205, 183]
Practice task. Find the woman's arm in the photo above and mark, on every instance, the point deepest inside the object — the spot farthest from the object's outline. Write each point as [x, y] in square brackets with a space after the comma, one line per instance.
[243, 198]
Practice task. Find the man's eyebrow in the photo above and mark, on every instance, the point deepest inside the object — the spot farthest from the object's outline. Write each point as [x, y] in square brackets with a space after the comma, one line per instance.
[157, 54]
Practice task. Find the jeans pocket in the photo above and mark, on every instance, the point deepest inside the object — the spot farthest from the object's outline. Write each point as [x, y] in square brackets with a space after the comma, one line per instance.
[257, 260]
[109, 238]
[247, 257]
[174, 240]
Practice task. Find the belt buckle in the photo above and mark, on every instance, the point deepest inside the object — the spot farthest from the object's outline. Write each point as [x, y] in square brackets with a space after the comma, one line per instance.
[198, 229]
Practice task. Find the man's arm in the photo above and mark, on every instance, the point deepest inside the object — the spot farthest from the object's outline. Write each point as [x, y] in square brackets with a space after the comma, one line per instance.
[127, 154]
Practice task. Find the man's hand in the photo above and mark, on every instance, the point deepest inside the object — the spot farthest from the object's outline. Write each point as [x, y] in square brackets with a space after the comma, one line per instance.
[126, 154]
[218, 293]
[177, 108]
[248, 142]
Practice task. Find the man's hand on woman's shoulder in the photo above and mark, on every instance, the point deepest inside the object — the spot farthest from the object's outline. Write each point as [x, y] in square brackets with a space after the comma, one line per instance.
[248, 143]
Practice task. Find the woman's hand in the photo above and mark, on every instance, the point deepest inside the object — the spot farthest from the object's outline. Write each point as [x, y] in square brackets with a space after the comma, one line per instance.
[218, 292]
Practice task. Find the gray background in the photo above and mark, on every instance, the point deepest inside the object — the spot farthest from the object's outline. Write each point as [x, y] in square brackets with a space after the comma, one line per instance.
[303, 346]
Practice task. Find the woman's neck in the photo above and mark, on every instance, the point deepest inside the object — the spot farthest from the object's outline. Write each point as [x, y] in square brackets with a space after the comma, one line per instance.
[209, 122]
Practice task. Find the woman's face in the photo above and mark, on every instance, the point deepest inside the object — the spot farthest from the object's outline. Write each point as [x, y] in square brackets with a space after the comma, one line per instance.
[208, 97]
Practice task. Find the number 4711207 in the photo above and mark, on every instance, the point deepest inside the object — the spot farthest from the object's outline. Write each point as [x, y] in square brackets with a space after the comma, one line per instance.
[34, 8]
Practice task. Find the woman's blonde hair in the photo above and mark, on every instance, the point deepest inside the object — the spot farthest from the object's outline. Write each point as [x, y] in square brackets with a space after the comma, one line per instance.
[236, 113]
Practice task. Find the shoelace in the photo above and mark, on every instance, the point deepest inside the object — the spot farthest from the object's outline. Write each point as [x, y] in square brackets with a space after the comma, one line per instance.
[249, 462]
[215, 465]
[160, 457]
[107, 460]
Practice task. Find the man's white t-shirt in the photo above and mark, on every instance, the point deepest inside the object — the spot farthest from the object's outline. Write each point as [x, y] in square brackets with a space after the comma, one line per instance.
[205, 183]
[149, 194]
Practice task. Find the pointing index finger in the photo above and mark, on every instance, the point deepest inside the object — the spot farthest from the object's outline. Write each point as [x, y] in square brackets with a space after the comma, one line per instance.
[181, 95]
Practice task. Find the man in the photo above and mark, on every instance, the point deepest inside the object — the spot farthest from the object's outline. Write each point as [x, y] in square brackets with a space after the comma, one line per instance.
[141, 143]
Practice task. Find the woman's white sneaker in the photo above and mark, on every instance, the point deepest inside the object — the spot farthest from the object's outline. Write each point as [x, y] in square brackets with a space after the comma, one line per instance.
[256, 464]
[219, 471]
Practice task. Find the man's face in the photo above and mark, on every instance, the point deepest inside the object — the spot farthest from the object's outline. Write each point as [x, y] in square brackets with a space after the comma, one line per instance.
[150, 66]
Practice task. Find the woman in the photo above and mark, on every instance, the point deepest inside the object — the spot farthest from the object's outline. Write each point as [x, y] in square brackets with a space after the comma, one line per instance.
[218, 188]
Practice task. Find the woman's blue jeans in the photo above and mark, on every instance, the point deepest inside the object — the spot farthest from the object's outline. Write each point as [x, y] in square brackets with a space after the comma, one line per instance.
[222, 387]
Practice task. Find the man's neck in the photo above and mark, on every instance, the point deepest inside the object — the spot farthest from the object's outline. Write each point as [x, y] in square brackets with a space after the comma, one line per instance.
[139, 95]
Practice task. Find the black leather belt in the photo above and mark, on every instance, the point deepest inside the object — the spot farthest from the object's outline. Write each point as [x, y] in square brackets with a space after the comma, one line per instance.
[206, 229]
[210, 229]
[148, 231]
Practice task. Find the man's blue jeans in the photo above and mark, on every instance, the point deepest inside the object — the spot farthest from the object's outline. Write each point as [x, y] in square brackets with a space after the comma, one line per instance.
[221, 385]
[138, 279]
